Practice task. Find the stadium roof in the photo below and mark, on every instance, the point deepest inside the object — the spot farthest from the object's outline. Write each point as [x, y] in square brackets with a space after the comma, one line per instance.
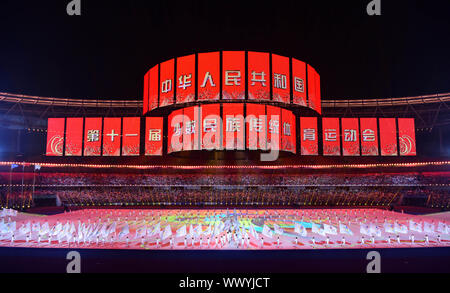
[326, 103]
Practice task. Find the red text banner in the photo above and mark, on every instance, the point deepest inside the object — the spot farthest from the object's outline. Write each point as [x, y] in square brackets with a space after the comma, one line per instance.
[175, 131]
[233, 81]
[274, 122]
[92, 136]
[280, 79]
[74, 137]
[318, 95]
[388, 137]
[131, 136]
[299, 82]
[258, 76]
[314, 99]
[111, 136]
[369, 136]
[55, 137]
[210, 127]
[233, 126]
[166, 83]
[256, 127]
[407, 136]
[208, 76]
[191, 128]
[153, 88]
[350, 137]
[186, 79]
[146, 87]
[154, 136]
[308, 136]
[288, 134]
[331, 137]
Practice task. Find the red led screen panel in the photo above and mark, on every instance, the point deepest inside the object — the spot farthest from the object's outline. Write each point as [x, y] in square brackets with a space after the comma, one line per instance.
[55, 137]
[256, 127]
[167, 84]
[153, 136]
[208, 76]
[111, 136]
[186, 79]
[299, 82]
[233, 81]
[175, 131]
[131, 136]
[233, 126]
[388, 137]
[407, 136]
[314, 99]
[318, 95]
[308, 136]
[350, 137]
[74, 137]
[145, 103]
[258, 76]
[288, 134]
[191, 128]
[331, 137]
[274, 122]
[369, 136]
[153, 90]
[92, 136]
[210, 127]
[280, 80]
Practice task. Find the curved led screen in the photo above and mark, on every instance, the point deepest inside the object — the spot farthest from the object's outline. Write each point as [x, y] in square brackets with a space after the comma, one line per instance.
[231, 76]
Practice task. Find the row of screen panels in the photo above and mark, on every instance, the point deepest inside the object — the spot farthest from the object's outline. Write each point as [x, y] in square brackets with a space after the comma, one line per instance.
[224, 127]
[103, 136]
[224, 75]
[231, 127]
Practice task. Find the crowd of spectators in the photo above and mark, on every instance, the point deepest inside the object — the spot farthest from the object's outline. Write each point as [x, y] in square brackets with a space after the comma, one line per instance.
[83, 179]
[338, 196]
[363, 189]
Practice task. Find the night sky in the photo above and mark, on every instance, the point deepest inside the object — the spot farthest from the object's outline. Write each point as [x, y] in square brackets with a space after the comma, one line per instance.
[105, 52]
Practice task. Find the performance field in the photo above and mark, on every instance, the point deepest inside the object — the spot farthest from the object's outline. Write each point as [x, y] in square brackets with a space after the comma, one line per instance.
[225, 229]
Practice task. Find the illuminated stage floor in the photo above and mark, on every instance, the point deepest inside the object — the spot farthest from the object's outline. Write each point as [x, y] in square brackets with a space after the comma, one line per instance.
[107, 229]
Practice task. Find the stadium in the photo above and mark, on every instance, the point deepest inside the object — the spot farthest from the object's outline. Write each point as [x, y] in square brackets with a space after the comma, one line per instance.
[227, 154]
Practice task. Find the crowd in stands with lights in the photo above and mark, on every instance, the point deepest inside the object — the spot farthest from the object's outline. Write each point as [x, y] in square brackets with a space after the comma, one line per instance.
[284, 196]
[83, 179]
[83, 189]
